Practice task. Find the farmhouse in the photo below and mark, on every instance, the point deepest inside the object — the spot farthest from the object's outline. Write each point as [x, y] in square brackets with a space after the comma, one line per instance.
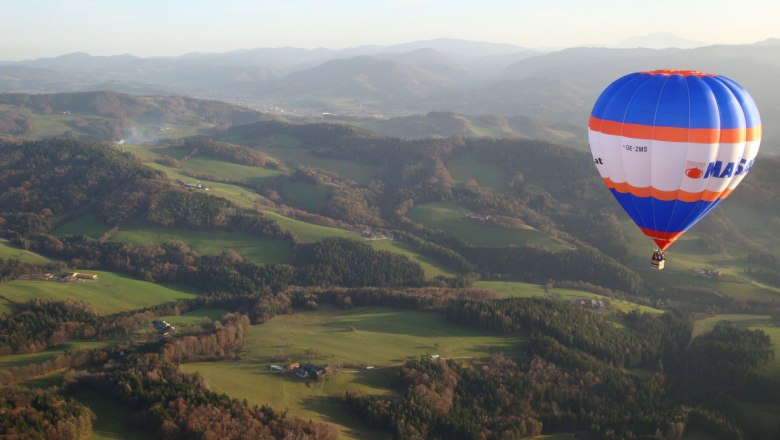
[72, 276]
[163, 327]
[192, 186]
[588, 303]
[313, 370]
[304, 371]
[300, 373]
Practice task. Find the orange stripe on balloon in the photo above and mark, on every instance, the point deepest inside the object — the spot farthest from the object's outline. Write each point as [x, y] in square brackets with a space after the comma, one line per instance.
[675, 134]
[681, 72]
[683, 196]
[662, 239]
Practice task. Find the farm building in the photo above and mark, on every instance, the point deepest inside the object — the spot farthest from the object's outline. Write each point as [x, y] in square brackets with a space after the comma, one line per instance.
[313, 370]
[307, 370]
[300, 373]
[86, 276]
[588, 303]
[163, 327]
[277, 368]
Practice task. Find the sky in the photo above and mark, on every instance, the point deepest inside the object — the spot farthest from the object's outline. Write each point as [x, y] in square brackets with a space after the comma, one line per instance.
[43, 28]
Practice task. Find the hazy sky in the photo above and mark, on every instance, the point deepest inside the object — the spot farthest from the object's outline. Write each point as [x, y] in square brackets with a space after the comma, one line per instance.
[38, 28]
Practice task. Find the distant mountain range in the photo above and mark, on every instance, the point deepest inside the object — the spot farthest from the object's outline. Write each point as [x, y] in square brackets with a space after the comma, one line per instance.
[444, 75]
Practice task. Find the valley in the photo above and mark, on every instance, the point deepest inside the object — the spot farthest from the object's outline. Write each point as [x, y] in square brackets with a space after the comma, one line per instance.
[342, 247]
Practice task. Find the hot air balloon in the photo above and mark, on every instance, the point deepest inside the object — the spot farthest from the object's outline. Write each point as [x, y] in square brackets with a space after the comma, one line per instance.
[671, 145]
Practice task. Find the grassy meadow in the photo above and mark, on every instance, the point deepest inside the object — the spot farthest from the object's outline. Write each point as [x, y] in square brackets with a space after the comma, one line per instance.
[20, 360]
[686, 255]
[260, 250]
[114, 420]
[303, 194]
[509, 289]
[195, 317]
[112, 292]
[87, 224]
[8, 252]
[753, 322]
[377, 337]
[464, 167]
[287, 149]
[449, 217]
[309, 232]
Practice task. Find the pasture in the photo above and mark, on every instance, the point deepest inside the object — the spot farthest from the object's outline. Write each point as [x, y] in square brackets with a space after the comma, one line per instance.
[287, 149]
[239, 195]
[114, 421]
[20, 360]
[309, 232]
[195, 317]
[378, 337]
[8, 252]
[259, 250]
[509, 289]
[686, 256]
[112, 292]
[464, 167]
[452, 219]
[303, 194]
[86, 224]
[227, 170]
[753, 322]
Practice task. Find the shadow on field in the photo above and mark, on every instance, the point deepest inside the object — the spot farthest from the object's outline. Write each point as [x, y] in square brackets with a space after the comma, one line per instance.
[382, 377]
[401, 322]
[334, 411]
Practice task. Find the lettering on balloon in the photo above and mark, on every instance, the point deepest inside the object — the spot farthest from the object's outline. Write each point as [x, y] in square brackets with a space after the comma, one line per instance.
[717, 169]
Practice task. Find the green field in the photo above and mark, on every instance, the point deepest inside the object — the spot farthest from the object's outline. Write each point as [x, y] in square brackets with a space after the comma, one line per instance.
[87, 225]
[239, 195]
[309, 232]
[686, 255]
[364, 336]
[744, 320]
[287, 150]
[114, 421]
[466, 166]
[195, 317]
[508, 289]
[8, 252]
[448, 217]
[307, 196]
[20, 360]
[773, 331]
[753, 322]
[227, 170]
[260, 250]
[111, 293]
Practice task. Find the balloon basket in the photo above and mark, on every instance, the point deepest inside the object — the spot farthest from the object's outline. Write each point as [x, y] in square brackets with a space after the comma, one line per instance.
[658, 260]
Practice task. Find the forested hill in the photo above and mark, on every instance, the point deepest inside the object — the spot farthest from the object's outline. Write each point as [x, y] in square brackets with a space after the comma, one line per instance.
[337, 220]
[110, 116]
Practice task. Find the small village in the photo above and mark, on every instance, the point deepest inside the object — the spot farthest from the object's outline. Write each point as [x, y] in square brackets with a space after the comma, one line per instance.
[193, 186]
[65, 277]
[588, 303]
[376, 235]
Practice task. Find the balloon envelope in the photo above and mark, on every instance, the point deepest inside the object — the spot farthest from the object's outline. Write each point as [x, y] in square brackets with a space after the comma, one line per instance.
[671, 145]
